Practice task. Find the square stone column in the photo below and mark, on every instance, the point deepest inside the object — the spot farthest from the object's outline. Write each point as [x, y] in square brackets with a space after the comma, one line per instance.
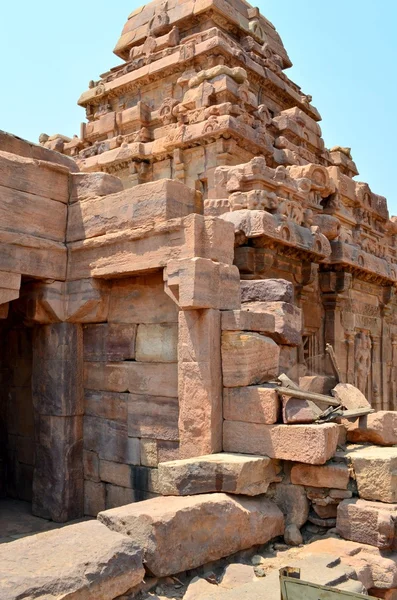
[200, 382]
[57, 390]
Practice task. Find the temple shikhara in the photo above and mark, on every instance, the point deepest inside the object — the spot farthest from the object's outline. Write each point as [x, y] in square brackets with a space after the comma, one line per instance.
[198, 322]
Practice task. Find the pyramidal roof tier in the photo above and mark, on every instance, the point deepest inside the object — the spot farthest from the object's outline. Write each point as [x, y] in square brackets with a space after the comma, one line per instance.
[236, 17]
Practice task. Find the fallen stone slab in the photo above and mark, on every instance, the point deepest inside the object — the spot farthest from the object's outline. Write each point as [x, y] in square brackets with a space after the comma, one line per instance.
[349, 396]
[267, 290]
[312, 444]
[375, 469]
[332, 475]
[180, 533]
[85, 561]
[230, 473]
[367, 522]
[377, 428]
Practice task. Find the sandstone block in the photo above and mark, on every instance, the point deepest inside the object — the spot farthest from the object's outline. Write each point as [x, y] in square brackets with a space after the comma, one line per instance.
[91, 185]
[287, 320]
[153, 379]
[349, 396]
[106, 405]
[155, 451]
[119, 496]
[148, 204]
[300, 411]
[248, 358]
[327, 476]
[318, 384]
[86, 561]
[198, 529]
[377, 428]
[57, 378]
[267, 290]
[199, 382]
[109, 342]
[253, 404]
[312, 444]
[91, 465]
[292, 501]
[375, 470]
[366, 522]
[94, 498]
[230, 473]
[157, 342]
[197, 283]
[141, 300]
[153, 417]
[128, 476]
[59, 460]
[248, 320]
[110, 441]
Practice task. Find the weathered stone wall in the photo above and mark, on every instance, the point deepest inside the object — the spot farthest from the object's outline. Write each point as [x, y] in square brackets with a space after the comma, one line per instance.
[131, 396]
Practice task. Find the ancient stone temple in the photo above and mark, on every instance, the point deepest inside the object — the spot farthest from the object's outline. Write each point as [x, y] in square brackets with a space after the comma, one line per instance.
[190, 291]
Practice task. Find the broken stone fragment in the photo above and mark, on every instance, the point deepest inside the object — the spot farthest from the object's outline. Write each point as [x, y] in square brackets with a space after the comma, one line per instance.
[376, 428]
[292, 501]
[299, 411]
[349, 396]
[318, 384]
[180, 533]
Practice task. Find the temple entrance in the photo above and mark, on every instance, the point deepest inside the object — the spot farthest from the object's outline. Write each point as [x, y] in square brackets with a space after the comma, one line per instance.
[17, 437]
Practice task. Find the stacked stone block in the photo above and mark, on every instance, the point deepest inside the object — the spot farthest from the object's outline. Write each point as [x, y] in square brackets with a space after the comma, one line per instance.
[130, 394]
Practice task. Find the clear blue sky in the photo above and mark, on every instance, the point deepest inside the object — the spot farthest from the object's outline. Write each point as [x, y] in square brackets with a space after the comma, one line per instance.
[344, 54]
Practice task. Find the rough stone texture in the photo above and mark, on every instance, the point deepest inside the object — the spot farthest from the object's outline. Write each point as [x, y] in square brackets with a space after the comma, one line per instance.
[199, 382]
[287, 327]
[254, 404]
[157, 343]
[299, 411]
[350, 397]
[313, 444]
[248, 358]
[378, 428]
[318, 384]
[86, 561]
[198, 529]
[293, 502]
[327, 476]
[230, 473]
[375, 470]
[366, 522]
[268, 290]
[109, 342]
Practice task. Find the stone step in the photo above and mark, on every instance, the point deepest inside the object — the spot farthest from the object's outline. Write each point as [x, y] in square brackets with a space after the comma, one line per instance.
[179, 533]
[368, 522]
[312, 444]
[375, 470]
[230, 473]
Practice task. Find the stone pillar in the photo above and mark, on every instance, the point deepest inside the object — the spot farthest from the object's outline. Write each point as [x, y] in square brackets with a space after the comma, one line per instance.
[200, 382]
[57, 388]
[350, 337]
